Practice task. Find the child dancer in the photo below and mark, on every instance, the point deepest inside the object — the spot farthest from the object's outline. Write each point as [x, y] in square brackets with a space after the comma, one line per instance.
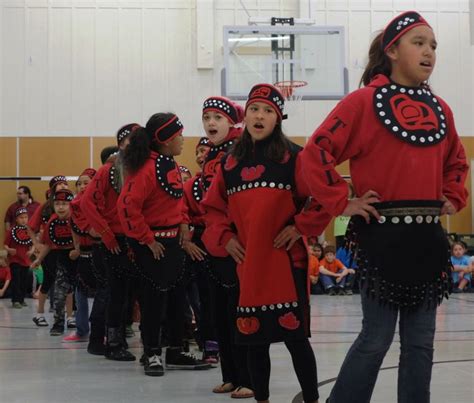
[259, 190]
[85, 265]
[58, 242]
[99, 205]
[151, 213]
[18, 244]
[408, 168]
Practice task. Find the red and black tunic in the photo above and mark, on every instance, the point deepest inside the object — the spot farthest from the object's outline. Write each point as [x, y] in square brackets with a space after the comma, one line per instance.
[260, 198]
[214, 156]
[402, 143]
[150, 207]
[99, 205]
[17, 237]
[193, 195]
[57, 234]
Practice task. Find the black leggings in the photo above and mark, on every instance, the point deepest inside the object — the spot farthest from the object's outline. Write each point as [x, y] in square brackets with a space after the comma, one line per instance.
[19, 282]
[304, 364]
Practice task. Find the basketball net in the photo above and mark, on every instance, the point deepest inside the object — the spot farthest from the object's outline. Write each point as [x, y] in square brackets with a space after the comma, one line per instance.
[290, 89]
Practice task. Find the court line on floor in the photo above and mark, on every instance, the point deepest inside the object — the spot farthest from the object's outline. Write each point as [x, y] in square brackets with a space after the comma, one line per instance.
[299, 397]
[74, 346]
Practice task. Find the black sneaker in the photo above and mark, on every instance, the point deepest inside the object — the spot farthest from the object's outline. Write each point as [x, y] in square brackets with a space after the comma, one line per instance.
[178, 359]
[40, 321]
[119, 354]
[153, 366]
[57, 330]
[332, 291]
[96, 348]
[143, 359]
[348, 292]
[340, 291]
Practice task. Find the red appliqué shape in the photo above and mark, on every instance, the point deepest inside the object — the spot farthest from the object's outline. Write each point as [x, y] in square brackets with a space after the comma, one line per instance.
[262, 92]
[248, 325]
[22, 234]
[289, 321]
[174, 179]
[210, 167]
[230, 163]
[413, 115]
[252, 173]
[62, 231]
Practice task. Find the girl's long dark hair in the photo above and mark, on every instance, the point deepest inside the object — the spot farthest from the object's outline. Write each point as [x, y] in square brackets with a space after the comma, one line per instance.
[275, 146]
[141, 144]
[378, 63]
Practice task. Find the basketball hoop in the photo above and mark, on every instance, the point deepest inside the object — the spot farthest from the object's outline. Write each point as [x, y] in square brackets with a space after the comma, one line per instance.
[289, 89]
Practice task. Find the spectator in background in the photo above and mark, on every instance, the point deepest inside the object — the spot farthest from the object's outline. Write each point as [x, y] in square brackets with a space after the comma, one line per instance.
[333, 273]
[315, 255]
[461, 267]
[24, 199]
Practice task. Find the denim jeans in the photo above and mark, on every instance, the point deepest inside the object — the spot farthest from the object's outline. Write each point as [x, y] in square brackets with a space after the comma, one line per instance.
[82, 313]
[361, 366]
[330, 281]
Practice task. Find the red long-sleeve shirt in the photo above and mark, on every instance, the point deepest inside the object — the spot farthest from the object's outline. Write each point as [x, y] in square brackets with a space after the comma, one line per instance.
[144, 203]
[99, 206]
[193, 194]
[379, 160]
[57, 233]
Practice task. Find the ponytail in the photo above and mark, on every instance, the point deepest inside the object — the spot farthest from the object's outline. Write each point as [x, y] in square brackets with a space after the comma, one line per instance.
[378, 63]
[137, 151]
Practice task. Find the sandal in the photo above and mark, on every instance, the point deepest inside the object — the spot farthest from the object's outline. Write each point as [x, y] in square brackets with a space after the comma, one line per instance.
[242, 393]
[226, 387]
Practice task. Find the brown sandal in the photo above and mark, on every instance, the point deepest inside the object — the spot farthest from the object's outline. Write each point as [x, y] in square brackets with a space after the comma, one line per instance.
[226, 387]
[242, 393]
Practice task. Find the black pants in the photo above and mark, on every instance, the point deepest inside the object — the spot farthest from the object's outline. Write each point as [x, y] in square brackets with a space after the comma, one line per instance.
[304, 364]
[160, 305]
[101, 296]
[49, 273]
[118, 269]
[233, 357]
[19, 282]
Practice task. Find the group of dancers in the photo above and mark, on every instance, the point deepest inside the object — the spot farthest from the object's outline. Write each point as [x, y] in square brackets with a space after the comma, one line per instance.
[236, 230]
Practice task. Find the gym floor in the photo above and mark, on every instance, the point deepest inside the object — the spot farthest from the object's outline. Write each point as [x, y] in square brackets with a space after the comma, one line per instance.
[36, 367]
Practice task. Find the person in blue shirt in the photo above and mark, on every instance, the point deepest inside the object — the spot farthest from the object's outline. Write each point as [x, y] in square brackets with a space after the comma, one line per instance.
[461, 267]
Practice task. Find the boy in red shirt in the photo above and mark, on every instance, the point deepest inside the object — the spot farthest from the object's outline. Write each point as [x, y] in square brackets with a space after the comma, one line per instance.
[332, 272]
[19, 247]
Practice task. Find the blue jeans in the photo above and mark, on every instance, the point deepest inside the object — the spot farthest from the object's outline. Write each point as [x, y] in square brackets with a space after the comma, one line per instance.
[82, 314]
[330, 281]
[356, 380]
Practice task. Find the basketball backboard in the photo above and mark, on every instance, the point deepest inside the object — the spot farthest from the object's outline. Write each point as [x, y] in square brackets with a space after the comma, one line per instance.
[271, 54]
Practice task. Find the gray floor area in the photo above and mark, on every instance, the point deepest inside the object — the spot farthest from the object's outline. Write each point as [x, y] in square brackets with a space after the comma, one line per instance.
[36, 367]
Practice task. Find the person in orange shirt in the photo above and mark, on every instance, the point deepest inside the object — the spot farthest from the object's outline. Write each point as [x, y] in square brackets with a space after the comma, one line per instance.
[315, 254]
[332, 272]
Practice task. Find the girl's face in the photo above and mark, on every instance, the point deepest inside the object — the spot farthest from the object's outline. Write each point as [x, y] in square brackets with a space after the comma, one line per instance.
[316, 251]
[458, 251]
[201, 153]
[22, 219]
[414, 58]
[173, 147]
[124, 143]
[216, 126]
[61, 208]
[260, 120]
[82, 183]
[61, 186]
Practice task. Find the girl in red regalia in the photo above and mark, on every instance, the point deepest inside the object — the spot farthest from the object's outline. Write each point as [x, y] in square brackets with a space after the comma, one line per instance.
[151, 213]
[255, 214]
[408, 168]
